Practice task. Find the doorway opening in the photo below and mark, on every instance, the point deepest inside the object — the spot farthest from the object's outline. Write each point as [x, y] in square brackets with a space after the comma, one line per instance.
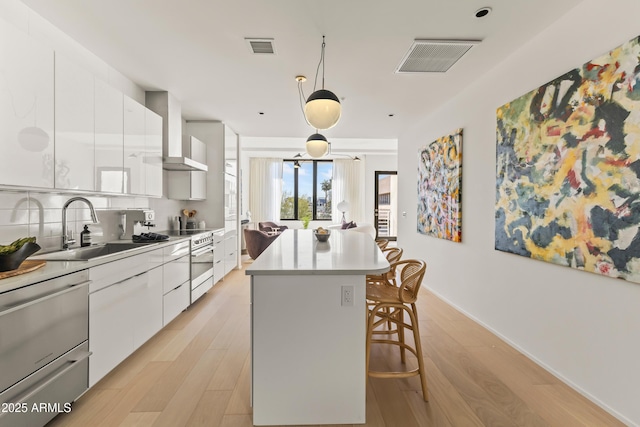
[386, 205]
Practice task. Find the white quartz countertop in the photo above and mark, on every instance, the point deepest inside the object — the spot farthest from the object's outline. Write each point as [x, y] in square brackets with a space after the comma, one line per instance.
[297, 252]
[54, 269]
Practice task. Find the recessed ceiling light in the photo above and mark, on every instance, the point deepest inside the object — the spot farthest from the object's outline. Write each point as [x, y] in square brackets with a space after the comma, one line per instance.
[391, 115]
[482, 12]
[261, 113]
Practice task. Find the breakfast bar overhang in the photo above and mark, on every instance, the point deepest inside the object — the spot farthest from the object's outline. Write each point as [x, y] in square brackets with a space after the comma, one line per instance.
[308, 328]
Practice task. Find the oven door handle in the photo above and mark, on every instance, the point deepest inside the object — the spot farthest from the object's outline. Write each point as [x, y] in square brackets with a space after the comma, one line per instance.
[72, 364]
[202, 251]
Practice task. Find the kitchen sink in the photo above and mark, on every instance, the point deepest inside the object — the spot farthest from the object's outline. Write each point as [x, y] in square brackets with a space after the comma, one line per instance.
[90, 252]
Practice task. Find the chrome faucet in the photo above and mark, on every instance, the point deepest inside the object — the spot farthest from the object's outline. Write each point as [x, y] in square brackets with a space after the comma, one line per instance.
[66, 240]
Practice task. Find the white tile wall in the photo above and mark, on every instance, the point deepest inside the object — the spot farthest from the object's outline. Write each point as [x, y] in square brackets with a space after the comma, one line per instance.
[24, 213]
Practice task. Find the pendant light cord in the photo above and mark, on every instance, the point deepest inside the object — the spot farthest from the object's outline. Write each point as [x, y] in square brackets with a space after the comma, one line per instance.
[301, 95]
[315, 82]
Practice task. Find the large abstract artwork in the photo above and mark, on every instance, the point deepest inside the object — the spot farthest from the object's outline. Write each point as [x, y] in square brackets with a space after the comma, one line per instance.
[568, 168]
[439, 185]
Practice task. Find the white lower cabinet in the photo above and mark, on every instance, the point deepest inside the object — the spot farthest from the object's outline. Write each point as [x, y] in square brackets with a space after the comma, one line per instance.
[175, 301]
[176, 288]
[218, 256]
[130, 300]
[230, 252]
[113, 321]
[148, 305]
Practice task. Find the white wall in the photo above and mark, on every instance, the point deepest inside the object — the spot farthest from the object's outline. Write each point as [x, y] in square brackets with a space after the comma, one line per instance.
[583, 327]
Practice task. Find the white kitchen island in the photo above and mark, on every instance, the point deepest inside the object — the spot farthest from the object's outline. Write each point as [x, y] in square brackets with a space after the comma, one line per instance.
[307, 333]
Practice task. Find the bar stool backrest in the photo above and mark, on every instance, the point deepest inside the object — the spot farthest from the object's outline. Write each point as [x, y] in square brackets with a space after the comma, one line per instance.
[411, 273]
[382, 243]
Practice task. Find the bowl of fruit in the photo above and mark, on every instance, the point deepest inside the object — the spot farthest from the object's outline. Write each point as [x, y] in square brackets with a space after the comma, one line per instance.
[322, 234]
[13, 254]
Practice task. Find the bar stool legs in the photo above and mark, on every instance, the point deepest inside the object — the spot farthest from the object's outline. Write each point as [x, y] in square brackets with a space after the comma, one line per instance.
[379, 315]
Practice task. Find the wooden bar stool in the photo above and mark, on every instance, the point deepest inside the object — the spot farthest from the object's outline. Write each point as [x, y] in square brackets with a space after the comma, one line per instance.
[382, 243]
[388, 305]
[392, 255]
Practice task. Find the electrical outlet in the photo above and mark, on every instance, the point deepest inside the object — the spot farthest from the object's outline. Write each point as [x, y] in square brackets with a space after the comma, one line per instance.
[347, 296]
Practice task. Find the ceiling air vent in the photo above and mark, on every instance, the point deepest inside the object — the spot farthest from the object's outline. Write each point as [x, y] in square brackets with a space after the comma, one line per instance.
[434, 56]
[261, 46]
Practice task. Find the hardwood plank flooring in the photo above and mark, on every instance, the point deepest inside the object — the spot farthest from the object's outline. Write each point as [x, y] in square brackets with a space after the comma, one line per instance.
[196, 372]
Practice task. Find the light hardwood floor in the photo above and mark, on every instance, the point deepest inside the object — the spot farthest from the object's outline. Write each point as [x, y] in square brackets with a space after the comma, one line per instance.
[195, 372]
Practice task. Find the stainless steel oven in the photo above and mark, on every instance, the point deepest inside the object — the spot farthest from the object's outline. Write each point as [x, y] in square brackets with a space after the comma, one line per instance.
[44, 350]
[201, 264]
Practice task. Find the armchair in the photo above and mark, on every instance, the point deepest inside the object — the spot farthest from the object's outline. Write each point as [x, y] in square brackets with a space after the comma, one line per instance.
[257, 241]
[270, 227]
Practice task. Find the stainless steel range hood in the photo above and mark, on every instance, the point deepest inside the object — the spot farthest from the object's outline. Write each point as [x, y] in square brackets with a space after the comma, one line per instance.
[183, 164]
[174, 159]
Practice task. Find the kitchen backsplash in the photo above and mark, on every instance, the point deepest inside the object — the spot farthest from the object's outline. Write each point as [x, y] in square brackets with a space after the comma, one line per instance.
[25, 213]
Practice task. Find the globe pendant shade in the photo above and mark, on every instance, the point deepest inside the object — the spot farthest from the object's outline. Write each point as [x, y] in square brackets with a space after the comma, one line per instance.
[317, 145]
[322, 109]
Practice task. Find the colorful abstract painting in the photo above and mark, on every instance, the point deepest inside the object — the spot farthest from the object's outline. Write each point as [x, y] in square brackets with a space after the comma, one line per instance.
[439, 188]
[568, 168]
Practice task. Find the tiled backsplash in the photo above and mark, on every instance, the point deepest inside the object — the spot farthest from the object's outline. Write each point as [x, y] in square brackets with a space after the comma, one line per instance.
[24, 213]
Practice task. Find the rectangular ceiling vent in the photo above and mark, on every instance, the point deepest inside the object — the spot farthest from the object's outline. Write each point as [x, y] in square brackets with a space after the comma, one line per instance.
[261, 46]
[434, 56]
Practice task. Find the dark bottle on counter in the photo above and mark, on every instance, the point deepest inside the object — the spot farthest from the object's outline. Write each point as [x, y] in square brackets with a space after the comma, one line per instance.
[85, 237]
[180, 222]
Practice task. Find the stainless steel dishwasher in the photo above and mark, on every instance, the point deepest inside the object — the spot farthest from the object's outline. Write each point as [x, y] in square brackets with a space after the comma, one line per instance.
[44, 352]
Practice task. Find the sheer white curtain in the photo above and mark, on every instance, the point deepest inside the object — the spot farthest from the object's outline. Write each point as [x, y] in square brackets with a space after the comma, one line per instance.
[348, 185]
[265, 189]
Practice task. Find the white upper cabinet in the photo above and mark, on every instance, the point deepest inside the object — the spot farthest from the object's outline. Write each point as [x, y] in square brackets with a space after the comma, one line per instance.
[74, 126]
[26, 109]
[134, 147]
[153, 154]
[109, 130]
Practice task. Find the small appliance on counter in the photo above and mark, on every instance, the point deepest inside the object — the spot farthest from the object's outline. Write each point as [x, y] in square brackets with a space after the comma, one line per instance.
[136, 222]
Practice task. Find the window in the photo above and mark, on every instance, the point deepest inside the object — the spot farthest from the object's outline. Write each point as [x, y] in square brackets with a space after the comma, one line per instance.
[306, 191]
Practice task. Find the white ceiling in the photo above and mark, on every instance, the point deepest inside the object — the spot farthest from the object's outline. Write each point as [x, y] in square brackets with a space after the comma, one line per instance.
[196, 50]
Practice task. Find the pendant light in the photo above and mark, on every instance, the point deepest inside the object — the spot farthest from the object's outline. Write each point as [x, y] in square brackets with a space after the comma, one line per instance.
[322, 109]
[317, 146]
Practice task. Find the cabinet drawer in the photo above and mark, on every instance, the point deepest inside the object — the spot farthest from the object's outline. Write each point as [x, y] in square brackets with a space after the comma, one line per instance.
[104, 275]
[218, 271]
[39, 323]
[230, 262]
[174, 273]
[58, 383]
[176, 251]
[175, 301]
[218, 253]
[230, 245]
[156, 258]
[218, 236]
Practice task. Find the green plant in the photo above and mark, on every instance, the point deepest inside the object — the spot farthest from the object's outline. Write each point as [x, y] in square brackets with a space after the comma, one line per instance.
[305, 221]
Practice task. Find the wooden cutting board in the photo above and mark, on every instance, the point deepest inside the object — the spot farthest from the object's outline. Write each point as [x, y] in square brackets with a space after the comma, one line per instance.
[26, 267]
